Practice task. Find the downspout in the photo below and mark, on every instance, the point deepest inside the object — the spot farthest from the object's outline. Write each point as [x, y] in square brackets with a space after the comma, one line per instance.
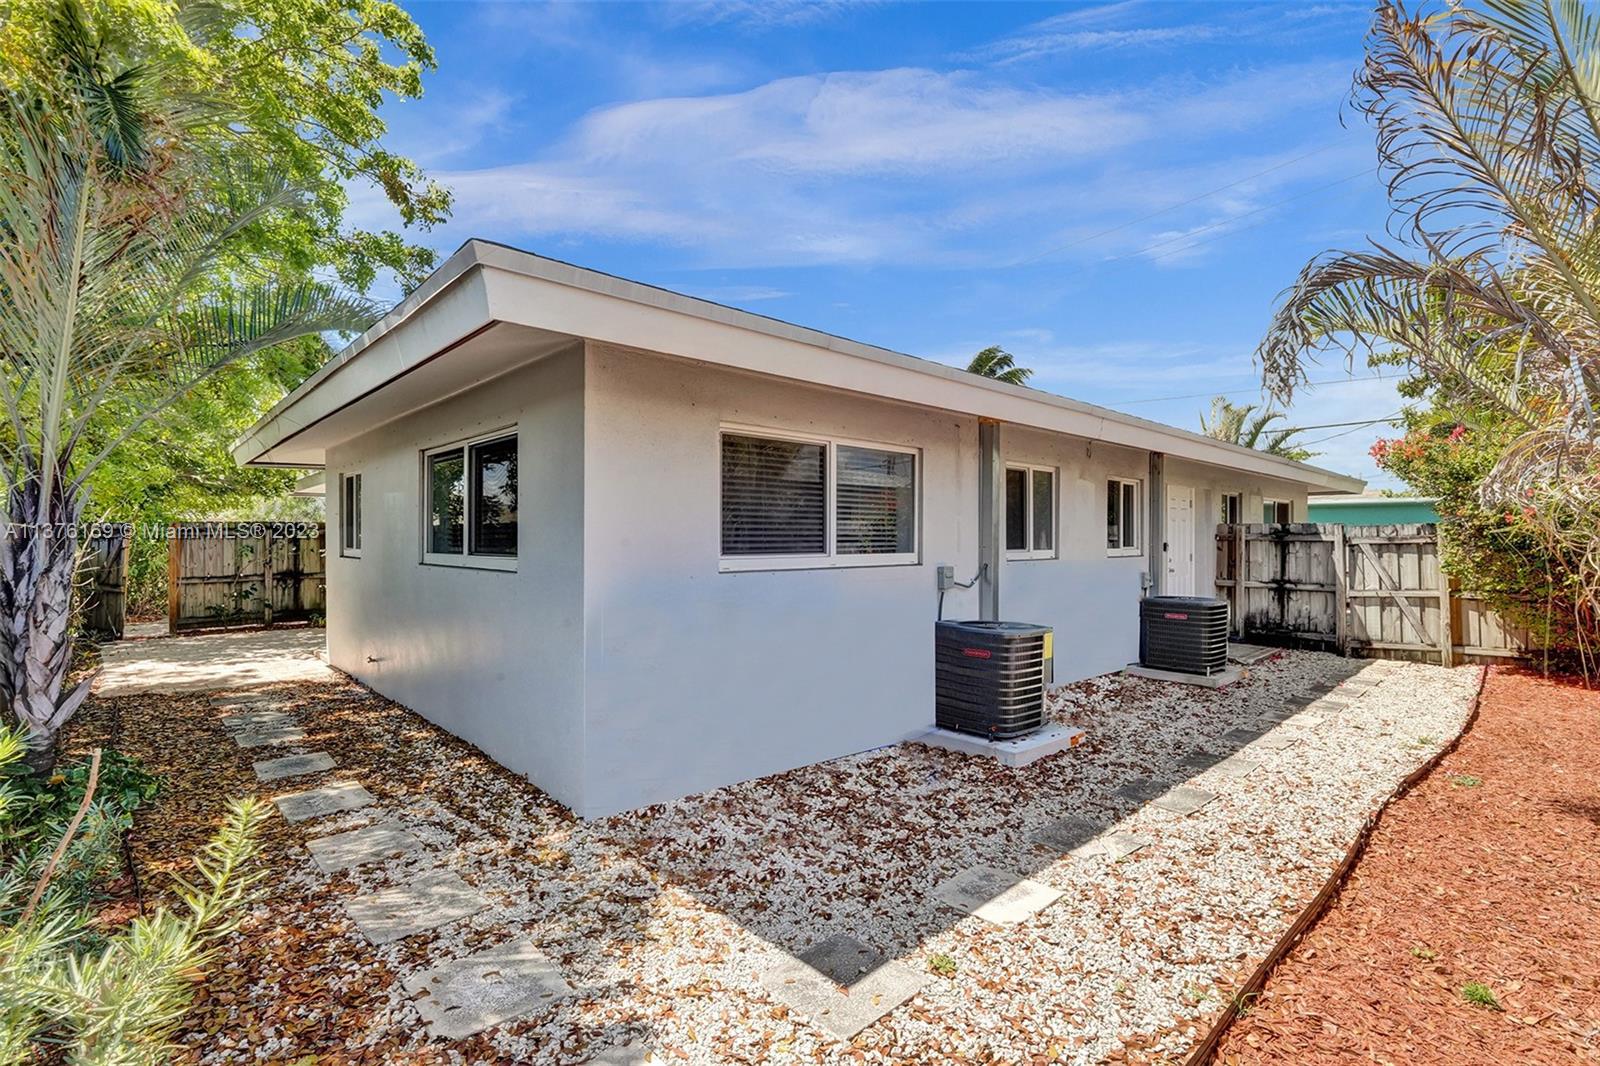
[1156, 542]
[991, 512]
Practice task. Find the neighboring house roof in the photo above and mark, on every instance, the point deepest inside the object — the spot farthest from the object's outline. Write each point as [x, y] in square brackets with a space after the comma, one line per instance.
[1372, 509]
[490, 308]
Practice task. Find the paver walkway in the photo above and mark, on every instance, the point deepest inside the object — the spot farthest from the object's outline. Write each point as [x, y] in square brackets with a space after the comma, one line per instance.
[457, 997]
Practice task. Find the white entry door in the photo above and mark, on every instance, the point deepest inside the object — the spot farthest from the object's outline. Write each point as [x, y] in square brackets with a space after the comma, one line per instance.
[1180, 541]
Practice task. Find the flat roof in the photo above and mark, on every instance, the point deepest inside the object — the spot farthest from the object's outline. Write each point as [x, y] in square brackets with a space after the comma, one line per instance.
[490, 308]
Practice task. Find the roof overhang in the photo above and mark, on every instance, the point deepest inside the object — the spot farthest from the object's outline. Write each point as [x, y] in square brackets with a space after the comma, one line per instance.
[489, 309]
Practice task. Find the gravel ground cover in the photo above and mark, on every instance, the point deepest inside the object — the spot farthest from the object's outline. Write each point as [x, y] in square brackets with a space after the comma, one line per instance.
[664, 920]
[1511, 904]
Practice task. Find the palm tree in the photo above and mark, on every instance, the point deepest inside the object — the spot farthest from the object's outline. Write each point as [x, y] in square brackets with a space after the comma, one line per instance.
[1488, 129]
[122, 286]
[1241, 424]
[995, 362]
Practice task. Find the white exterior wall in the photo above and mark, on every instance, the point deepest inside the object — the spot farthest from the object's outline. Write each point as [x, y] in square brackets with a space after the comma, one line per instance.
[495, 657]
[618, 666]
[1089, 597]
[698, 678]
[1210, 483]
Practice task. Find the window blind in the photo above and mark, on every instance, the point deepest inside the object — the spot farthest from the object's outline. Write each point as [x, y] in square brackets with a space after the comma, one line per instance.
[875, 501]
[774, 496]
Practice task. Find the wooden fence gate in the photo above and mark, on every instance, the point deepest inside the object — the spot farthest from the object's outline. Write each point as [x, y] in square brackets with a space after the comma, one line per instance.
[1361, 590]
[243, 573]
[103, 581]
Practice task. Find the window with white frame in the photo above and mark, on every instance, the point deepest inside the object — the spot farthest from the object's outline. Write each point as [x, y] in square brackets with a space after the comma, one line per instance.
[350, 515]
[796, 501]
[1030, 512]
[1124, 517]
[470, 495]
[1232, 510]
[1275, 511]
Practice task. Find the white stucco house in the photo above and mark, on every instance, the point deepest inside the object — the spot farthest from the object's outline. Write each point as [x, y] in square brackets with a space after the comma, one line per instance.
[635, 544]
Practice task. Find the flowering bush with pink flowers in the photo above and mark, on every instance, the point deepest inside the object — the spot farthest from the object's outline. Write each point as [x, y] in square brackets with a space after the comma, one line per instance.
[1528, 566]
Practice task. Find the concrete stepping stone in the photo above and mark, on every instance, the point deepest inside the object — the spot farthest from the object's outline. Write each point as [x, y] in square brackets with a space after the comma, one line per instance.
[260, 738]
[1140, 791]
[1279, 739]
[1184, 799]
[1113, 846]
[487, 988]
[293, 766]
[1234, 739]
[1066, 834]
[427, 901]
[623, 1055]
[258, 721]
[318, 802]
[1234, 767]
[997, 896]
[842, 985]
[355, 847]
[1307, 721]
[1196, 761]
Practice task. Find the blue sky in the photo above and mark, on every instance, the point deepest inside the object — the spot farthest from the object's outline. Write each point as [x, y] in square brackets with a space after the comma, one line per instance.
[1116, 193]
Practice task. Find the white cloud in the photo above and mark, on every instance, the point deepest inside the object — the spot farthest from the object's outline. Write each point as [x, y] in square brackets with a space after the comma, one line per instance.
[881, 166]
[755, 14]
[912, 121]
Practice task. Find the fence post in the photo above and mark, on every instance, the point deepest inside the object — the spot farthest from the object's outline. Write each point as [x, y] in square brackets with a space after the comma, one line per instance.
[1341, 597]
[266, 576]
[1447, 636]
[1239, 570]
[174, 559]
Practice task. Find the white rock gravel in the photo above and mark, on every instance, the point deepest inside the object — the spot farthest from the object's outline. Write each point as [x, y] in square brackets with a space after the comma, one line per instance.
[663, 920]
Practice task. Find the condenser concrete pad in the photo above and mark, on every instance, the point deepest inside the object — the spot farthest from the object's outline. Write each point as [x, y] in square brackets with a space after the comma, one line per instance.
[842, 985]
[464, 996]
[1218, 680]
[1019, 752]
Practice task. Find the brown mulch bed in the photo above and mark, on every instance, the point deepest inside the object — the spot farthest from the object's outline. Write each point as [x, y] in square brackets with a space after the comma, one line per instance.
[1487, 873]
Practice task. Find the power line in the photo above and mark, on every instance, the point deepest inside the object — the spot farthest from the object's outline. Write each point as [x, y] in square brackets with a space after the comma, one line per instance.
[1240, 392]
[1173, 207]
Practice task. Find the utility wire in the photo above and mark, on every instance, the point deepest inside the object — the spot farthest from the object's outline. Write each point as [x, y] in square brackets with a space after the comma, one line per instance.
[1241, 392]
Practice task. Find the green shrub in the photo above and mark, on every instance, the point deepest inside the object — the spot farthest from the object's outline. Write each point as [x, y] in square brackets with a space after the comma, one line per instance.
[72, 994]
[1504, 554]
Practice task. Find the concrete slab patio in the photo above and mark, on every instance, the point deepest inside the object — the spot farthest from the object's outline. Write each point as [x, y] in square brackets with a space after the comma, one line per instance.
[212, 661]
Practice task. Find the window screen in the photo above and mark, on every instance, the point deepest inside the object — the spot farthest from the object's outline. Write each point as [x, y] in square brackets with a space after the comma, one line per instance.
[1044, 506]
[494, 497]
[875, 501]
[1130, 514]
[350, 514]
[1016, 510]
[1122, 516]
[446, 502]
[774, 496]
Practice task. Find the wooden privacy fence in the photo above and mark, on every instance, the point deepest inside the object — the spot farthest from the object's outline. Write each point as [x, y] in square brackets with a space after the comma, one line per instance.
[103, 580]
[1360, 590]
[243, 573]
